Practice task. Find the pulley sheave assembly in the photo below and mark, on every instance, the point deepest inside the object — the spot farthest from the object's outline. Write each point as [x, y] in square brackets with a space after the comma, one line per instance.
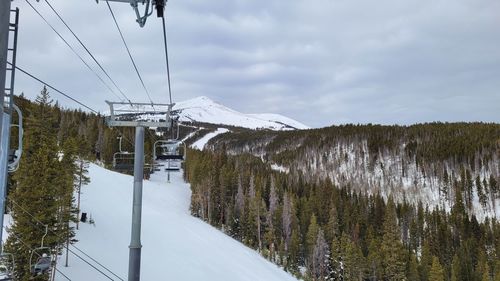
[147, 8]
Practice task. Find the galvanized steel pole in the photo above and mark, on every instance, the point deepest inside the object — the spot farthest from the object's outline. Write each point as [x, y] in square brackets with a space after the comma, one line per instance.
[134, 266]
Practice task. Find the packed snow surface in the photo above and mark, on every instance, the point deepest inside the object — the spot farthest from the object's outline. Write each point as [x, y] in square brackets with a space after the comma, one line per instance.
[203, 109]
[200, 144]
[176, 245]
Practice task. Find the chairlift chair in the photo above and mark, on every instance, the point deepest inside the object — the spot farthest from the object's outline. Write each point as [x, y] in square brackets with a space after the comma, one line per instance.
[15, 154]
[41, 258]
[43, 261]
[123, 161]
[170, 150]
[6, 266]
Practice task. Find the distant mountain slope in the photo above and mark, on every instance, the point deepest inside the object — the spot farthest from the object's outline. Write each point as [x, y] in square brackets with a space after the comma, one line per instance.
[203, 109]
[280, 119]
[425, 162]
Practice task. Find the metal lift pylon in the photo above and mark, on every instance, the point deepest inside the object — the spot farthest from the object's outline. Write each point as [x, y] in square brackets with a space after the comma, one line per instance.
[8, 30]
[136, 115]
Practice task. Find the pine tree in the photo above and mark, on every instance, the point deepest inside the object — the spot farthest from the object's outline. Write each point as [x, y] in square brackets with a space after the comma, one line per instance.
[497, 270]
[455, 269]
[353, 260]
[336, 263]
[481, 192]
[374, 261]
[486, 273]
[36, 198]
[412, 268]
[67, 209]
[82, 179]
[436, 273]
[293, 258]
[392, 249]
[312, 234]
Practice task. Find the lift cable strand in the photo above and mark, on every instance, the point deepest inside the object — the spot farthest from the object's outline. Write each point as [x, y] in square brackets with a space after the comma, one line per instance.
[71, 251]
[87, 50]
[31, 249]
[166, 56]
[58, 91]
[128, 51]
[73, 49]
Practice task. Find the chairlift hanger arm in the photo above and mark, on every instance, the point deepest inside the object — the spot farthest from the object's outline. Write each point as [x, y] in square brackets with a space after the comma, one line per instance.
[148, 8]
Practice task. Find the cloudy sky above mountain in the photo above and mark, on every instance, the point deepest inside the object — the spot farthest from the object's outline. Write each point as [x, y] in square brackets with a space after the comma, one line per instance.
[321, 62]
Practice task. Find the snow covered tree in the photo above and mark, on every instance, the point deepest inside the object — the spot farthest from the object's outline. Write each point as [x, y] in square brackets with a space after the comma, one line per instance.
[336, 262]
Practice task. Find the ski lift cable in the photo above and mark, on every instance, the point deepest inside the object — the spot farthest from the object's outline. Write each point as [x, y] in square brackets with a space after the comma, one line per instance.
[31, 249]
[128, 51]
[164, 24]
[71, 251]
[75, 52]
[87, 50]
[53, 88]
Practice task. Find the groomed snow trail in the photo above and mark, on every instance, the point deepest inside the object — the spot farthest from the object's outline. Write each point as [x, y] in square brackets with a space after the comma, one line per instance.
[176, 245]
[200, 144]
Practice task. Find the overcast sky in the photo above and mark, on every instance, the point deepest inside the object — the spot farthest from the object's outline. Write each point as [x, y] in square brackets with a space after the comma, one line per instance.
[320, 62]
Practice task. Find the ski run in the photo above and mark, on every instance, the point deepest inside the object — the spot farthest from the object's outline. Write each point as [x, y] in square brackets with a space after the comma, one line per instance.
[176, 245]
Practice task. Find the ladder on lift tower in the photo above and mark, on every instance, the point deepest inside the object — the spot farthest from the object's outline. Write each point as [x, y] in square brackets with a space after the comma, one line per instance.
[14, 155]
[11, 57]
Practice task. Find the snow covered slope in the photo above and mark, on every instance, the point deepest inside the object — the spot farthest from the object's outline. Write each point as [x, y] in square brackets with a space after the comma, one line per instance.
[176, 246]
[280, 119]
[203, 109]
[200, 144]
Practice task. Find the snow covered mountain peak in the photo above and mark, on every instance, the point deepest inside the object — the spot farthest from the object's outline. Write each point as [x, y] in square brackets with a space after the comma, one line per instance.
[205, 110]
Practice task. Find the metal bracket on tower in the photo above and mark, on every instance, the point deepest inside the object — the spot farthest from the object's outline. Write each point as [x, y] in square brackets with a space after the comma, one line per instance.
[148, 8]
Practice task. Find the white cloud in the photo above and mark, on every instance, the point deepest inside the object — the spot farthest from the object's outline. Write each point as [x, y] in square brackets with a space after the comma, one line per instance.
[318, 61]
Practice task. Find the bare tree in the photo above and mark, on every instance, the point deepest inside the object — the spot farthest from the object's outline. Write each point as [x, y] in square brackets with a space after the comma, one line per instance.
[286, 219]
[320, 258]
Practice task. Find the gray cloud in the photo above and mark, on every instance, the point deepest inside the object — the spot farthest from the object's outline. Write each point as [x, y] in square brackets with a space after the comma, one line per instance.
[318, 61]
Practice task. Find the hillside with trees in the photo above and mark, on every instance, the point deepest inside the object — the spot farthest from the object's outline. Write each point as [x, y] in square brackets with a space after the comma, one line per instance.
[413, 163]
[347, 202]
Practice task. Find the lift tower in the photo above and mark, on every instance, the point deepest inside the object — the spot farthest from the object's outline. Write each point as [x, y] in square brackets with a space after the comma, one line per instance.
[140, 116]
[8, 48]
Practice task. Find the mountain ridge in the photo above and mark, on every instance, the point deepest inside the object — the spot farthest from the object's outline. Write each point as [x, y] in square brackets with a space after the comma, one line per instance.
[204, 109]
